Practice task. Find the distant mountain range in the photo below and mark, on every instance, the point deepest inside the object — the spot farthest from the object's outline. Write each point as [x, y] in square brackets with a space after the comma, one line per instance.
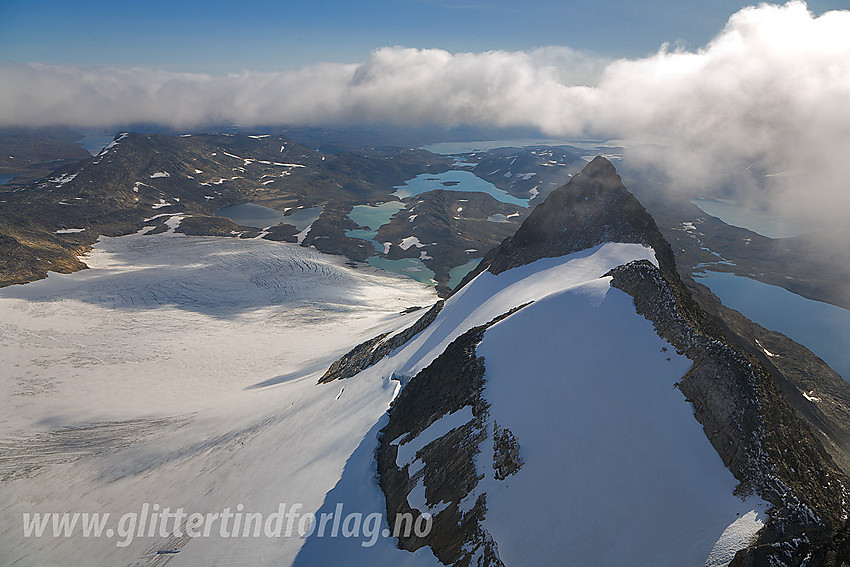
[140, 180]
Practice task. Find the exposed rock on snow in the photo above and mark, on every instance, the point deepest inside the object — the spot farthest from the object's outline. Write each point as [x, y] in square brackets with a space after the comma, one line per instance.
[370, 352]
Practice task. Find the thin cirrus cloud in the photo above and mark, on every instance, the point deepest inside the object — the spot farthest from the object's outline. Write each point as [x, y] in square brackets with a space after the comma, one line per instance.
[772, 89]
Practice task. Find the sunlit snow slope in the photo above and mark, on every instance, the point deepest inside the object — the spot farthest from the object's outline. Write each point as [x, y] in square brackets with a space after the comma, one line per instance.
[617, 470]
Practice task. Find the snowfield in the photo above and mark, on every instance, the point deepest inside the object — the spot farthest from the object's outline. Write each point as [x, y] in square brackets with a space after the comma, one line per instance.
[617, 470]
[181, 371]
[489, 296]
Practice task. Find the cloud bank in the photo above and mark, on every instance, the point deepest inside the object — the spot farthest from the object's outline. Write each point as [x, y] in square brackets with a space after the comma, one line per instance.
[399, 85]
[770, 92]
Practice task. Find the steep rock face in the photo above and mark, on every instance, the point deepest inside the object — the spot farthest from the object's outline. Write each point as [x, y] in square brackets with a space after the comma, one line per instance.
[453, 381]
[593, 208]
[761, 439]
[450, 383]
[749, 422]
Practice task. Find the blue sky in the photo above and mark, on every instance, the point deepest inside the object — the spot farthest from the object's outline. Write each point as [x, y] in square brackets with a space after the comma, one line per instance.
[220, 37]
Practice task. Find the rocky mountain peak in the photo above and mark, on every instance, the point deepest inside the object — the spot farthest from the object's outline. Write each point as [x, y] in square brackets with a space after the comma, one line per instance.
[593, 208]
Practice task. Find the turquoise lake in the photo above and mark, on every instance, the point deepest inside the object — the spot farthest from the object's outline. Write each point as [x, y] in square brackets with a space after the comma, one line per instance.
[457, 273]
[410, 267]
[375, 216]
[372, 217]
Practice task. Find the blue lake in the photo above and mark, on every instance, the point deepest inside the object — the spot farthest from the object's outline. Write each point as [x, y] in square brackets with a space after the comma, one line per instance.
[375, 216]
[303, 217]
[458, 181]
[258, 216]
[457, 273]
[5, 180]
[96, 141]
[410, 267]
[822, 327]
[735, 214]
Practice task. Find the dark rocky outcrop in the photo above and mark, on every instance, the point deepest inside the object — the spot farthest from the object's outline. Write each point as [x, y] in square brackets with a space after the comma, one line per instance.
[593, 208]
[370, 352]
[506, 458]
[454, 380]
[451, 382]
[759, 436]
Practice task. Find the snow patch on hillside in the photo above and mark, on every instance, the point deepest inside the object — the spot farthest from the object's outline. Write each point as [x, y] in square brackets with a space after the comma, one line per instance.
[410, 241]
[63, 179]
[737, 536]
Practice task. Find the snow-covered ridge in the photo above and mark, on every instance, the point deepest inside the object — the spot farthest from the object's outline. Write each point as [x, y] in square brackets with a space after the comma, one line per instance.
[587, 387]
[488, 296]
[614, 466]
